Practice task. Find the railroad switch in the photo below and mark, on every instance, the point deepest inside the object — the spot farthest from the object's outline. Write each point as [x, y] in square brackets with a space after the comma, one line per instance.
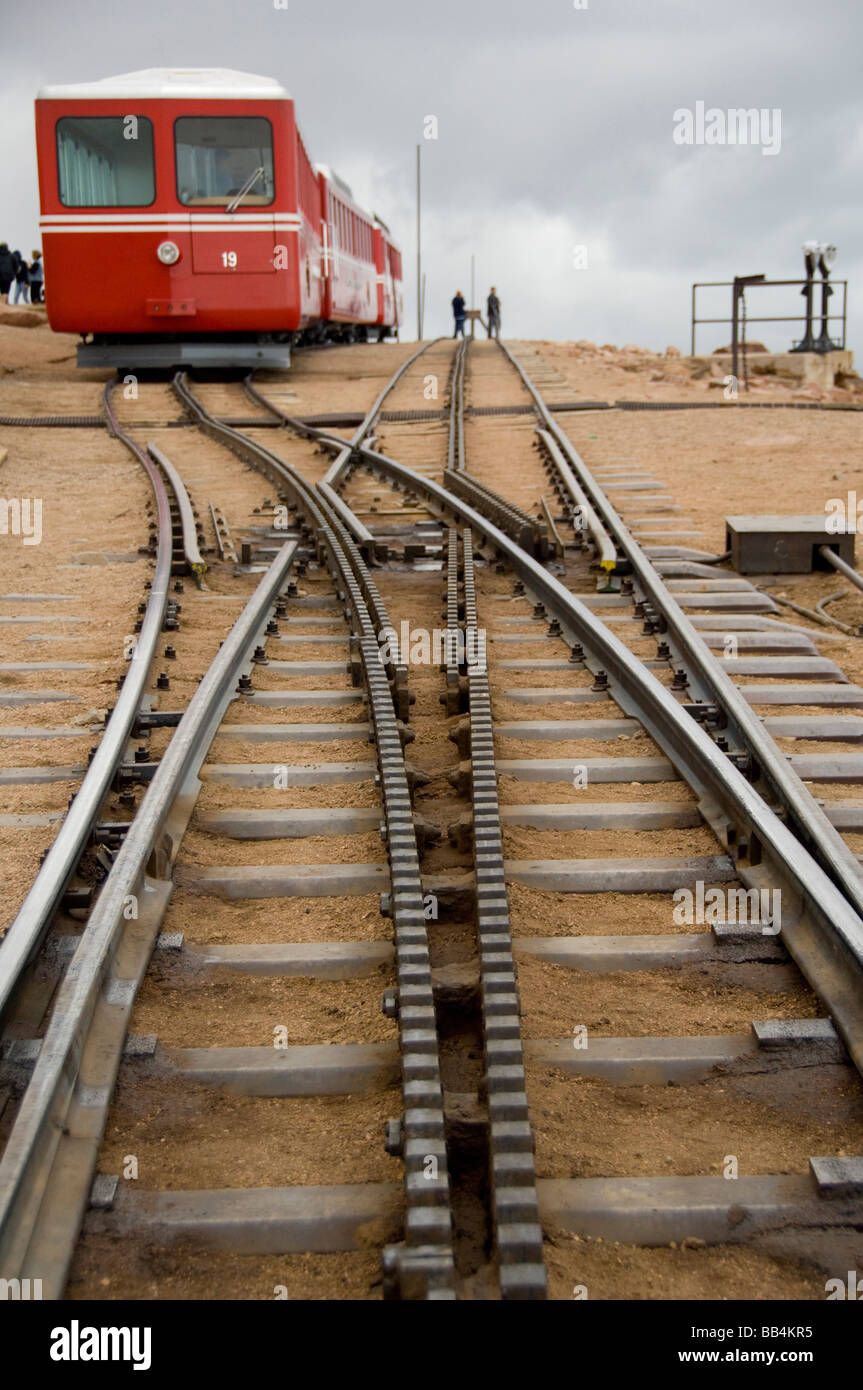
[130, 774]
[110, 833]
[154, 719]
[704, 713]
[784, 544]
[77, 899]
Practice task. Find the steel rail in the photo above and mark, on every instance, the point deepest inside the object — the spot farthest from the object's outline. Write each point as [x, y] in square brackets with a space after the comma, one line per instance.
[423, 1266]
[194, 559]
[586, 518]
[831, 958]
[314, 503]
[31, 924]
[54, 1139]
[552, 526]
[848, 571]
[341, 447]
[372, 413]
[369, 546]
[809, 821]
[455, 434]
[512, 1170]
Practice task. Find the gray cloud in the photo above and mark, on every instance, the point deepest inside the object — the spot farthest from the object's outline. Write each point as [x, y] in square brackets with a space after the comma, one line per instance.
[555, 130]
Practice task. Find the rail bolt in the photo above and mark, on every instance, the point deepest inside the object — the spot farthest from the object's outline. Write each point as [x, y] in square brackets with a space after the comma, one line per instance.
[576, 654]
[163, 683]
[680, 681]
[171, 653]
[554, 628]
[601, 681]
[245, 684]
[260, 657]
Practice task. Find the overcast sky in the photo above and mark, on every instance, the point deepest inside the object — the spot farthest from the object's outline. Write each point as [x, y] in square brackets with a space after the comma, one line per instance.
[556, 131]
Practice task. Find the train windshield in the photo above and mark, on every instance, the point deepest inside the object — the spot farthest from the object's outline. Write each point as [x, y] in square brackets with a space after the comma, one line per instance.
[105, 161]
[224, 159]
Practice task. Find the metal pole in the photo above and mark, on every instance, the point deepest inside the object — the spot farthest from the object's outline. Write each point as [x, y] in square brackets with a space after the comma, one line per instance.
[423, 306]
[419, 250]
[473, 282]
[692, 343]
[734, 294]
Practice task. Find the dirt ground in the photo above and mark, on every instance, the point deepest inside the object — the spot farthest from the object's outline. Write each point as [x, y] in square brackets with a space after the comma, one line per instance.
[713, 463]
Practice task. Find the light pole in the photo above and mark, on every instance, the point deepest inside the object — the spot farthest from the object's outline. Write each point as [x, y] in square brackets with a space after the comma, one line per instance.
[419, 250]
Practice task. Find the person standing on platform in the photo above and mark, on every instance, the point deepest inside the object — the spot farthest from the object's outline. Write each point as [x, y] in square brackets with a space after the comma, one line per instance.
[458, 309]
[493, 310]
[37, 278]
[7, 269]
[22, 281]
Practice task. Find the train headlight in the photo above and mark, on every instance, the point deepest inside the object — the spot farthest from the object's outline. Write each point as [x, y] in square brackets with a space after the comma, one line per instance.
[168, 252]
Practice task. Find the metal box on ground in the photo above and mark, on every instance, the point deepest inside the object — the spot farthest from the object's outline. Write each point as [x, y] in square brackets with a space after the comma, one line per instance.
[783, 544]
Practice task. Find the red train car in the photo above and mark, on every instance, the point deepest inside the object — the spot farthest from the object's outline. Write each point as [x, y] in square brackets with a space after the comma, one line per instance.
[183, 223]
[349, 272]
[388, 267]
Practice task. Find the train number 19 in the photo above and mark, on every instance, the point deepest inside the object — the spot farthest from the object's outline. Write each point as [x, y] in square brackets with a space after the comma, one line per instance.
[229, 260]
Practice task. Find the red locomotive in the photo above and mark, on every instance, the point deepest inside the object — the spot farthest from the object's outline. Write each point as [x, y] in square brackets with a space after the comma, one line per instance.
[183, 224]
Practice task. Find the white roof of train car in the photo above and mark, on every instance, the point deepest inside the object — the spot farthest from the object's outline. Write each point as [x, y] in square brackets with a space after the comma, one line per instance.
[192, 83]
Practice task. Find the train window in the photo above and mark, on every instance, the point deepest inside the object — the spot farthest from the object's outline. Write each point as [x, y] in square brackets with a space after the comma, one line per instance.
[105, 161]
[221, 158]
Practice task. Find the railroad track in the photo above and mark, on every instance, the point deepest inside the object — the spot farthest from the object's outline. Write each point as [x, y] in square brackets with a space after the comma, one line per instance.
[760, 834]
[542, 1015]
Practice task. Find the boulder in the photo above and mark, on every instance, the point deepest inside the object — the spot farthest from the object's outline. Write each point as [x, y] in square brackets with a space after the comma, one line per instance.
[750, 347]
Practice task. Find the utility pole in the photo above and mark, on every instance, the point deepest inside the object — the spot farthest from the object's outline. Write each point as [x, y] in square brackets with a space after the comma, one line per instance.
[473, 282]
[419, 250]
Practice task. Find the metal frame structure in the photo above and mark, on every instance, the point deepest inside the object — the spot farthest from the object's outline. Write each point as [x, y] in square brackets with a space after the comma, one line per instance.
[758, 281]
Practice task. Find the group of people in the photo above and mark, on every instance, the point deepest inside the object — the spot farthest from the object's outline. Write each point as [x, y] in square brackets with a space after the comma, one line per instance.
[492, 307]
[20, 279]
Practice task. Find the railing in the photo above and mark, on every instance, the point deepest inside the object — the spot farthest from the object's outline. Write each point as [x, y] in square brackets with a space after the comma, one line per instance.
[741, 283]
